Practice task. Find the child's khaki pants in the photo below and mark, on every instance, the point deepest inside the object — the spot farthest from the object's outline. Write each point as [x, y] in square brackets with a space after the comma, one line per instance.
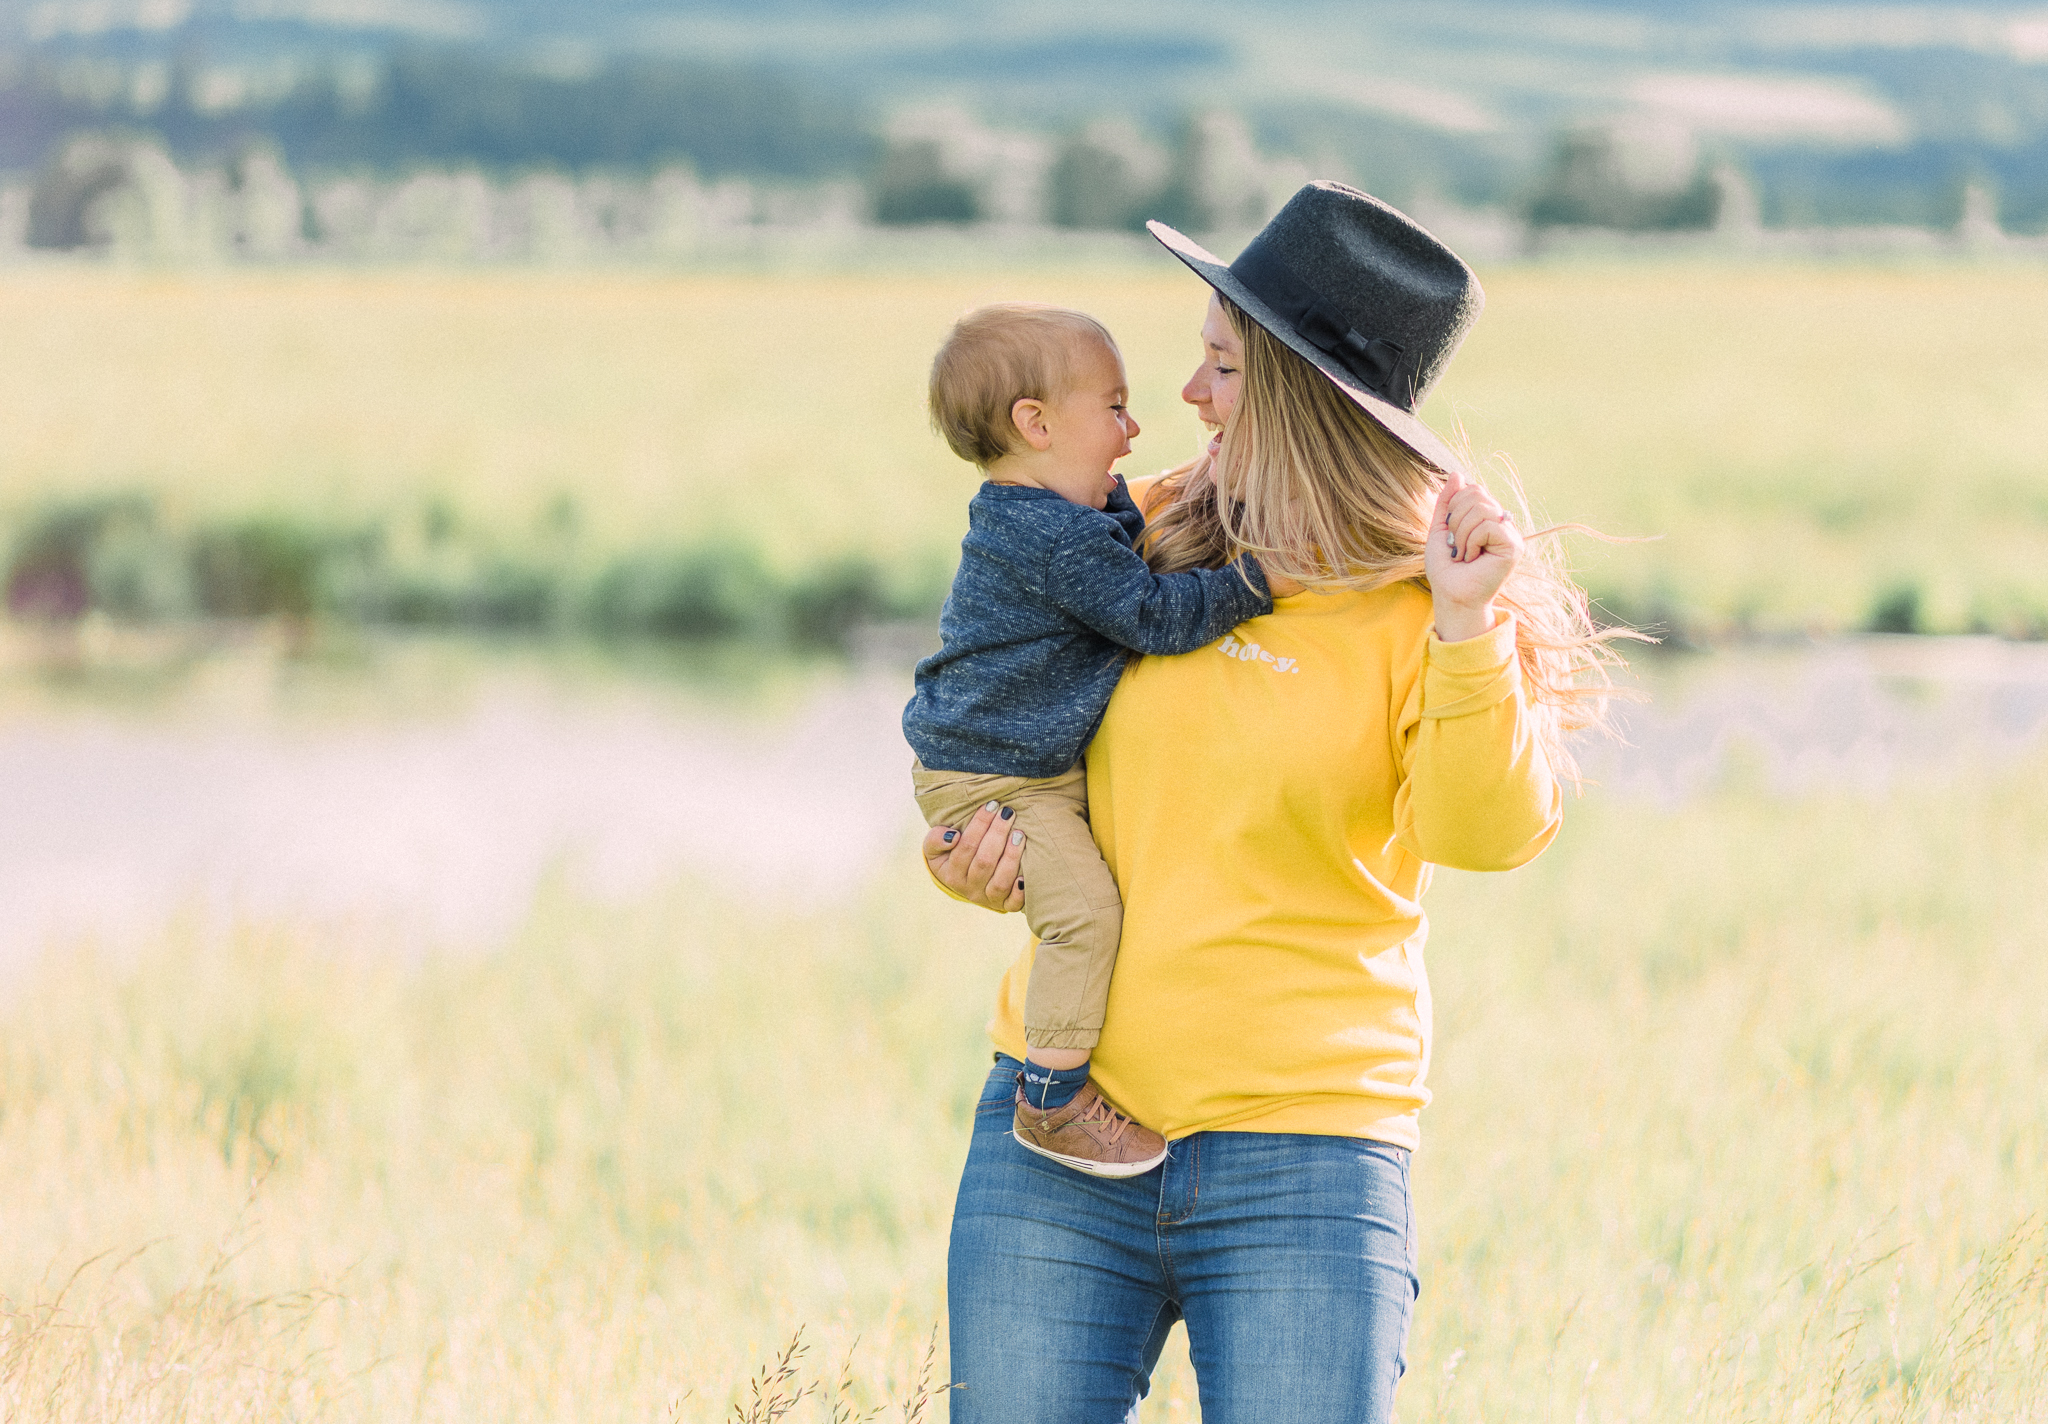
[1070, 898]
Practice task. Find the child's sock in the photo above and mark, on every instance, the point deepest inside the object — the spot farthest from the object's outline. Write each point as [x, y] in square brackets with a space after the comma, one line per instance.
[1049, 1088]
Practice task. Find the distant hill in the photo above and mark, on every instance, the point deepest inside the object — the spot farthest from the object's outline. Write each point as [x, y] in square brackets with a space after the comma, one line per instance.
[1841, 113]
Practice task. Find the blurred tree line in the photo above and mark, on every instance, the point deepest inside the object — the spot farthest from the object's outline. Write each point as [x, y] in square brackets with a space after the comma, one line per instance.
[89, 129]
[423, 106]
[493, 113]
[124, 557]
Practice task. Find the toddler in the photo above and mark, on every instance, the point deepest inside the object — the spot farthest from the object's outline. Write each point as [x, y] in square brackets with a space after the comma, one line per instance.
[1050, 601]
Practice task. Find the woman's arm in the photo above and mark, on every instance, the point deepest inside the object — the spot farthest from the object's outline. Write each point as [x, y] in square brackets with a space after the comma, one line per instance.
[1476, 790]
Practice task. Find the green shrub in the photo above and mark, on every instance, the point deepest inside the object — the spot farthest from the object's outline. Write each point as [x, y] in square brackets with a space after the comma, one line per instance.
[1896, 610]
[258, 568]
[107, 553]
[823, 608]
[713, 591]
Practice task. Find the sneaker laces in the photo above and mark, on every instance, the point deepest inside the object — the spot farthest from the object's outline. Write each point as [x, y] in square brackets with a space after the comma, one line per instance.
[1100, 1111]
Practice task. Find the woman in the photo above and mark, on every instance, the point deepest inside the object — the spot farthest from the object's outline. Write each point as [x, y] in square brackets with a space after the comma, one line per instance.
[1272, 806]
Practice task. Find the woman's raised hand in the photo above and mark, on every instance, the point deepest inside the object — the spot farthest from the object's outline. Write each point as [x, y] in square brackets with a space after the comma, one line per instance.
[1473, 547]
[979, 862]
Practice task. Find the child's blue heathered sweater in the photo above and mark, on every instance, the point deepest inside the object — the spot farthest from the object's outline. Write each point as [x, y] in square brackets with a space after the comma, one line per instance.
[1050, 600]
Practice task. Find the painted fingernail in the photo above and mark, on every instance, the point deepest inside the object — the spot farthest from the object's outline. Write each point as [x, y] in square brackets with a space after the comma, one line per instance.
[1020, 885]
[1007, 813]
[950, 835]
[1016, 838]
[990, 807]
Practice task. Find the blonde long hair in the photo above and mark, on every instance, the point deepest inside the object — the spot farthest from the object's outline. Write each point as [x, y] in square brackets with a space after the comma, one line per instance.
[1321, 494]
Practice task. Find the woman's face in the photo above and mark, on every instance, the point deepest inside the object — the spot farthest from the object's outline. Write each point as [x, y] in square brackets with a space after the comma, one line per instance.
[1213, 389]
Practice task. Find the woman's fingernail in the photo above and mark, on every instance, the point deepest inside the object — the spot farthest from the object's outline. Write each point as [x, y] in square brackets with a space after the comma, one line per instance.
[1020, 885]
[990, 807]
[950, 835]
[1016, 838]
[1007, 813]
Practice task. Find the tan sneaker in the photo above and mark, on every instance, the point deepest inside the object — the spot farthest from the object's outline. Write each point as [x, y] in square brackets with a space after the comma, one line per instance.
[1088, 1135]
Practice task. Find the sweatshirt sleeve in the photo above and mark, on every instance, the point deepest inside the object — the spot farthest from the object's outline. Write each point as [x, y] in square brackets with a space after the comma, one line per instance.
[1097, 579]
[1476, 788]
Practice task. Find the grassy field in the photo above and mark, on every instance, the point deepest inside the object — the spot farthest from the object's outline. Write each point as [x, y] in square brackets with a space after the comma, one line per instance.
[1817, 448]
[1739, 1116]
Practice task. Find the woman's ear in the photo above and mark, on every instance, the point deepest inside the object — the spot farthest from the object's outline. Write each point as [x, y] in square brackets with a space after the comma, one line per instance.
[1028, 415]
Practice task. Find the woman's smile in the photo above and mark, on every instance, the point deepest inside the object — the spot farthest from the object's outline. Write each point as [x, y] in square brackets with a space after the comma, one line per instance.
[1214, 387]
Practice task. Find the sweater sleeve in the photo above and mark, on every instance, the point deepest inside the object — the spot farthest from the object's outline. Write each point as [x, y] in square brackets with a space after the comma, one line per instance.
[1100, 581]
[1476, 788]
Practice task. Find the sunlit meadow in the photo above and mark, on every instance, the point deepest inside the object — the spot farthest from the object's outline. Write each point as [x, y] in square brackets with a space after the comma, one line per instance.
[1739, 1116]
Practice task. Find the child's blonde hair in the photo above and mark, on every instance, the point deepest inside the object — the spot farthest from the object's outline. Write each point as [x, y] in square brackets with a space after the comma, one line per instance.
[996, 356]
[1322, 495]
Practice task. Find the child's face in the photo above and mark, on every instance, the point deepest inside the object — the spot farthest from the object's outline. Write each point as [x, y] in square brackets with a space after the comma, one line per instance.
[1091, 430]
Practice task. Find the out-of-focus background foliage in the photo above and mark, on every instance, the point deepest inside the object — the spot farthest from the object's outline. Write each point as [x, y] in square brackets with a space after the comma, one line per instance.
[1808, 116]
[467, 518]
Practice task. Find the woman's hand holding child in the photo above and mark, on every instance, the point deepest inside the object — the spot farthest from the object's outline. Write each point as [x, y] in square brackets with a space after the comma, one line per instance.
[978, 862]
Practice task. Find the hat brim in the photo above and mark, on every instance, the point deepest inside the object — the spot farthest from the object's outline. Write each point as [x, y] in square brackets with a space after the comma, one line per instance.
[1402, 425]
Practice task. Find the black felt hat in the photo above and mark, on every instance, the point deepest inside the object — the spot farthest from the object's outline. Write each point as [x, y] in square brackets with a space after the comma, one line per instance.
[1361, 291]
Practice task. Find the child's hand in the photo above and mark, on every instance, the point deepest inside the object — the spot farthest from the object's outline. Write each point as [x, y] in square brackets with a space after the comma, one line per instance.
[980, 862]
[1473, 547]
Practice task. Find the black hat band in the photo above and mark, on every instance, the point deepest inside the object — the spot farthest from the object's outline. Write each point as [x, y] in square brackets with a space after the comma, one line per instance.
[1370, 360]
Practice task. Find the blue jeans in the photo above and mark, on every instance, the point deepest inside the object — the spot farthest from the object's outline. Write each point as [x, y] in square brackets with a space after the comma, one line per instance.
[1291, 1257]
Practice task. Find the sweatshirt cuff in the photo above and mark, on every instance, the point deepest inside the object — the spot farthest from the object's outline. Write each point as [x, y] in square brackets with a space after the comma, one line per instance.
[1470, 676]
[1255, 575]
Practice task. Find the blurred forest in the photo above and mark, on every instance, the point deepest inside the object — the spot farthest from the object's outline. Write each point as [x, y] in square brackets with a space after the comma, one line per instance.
[413, 127]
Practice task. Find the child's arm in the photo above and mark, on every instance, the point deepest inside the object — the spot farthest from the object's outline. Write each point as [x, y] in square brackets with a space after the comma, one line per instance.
[1098, 579]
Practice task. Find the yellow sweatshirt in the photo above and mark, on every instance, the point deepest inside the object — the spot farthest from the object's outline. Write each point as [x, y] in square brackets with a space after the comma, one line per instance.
[1271, 806]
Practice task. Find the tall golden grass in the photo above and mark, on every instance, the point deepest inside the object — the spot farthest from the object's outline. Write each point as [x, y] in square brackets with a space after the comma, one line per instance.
[1818, 447]
[1740, 1116]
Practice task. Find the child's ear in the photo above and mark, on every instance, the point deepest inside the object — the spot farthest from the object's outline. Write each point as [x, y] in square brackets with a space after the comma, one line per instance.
[1028, 416]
